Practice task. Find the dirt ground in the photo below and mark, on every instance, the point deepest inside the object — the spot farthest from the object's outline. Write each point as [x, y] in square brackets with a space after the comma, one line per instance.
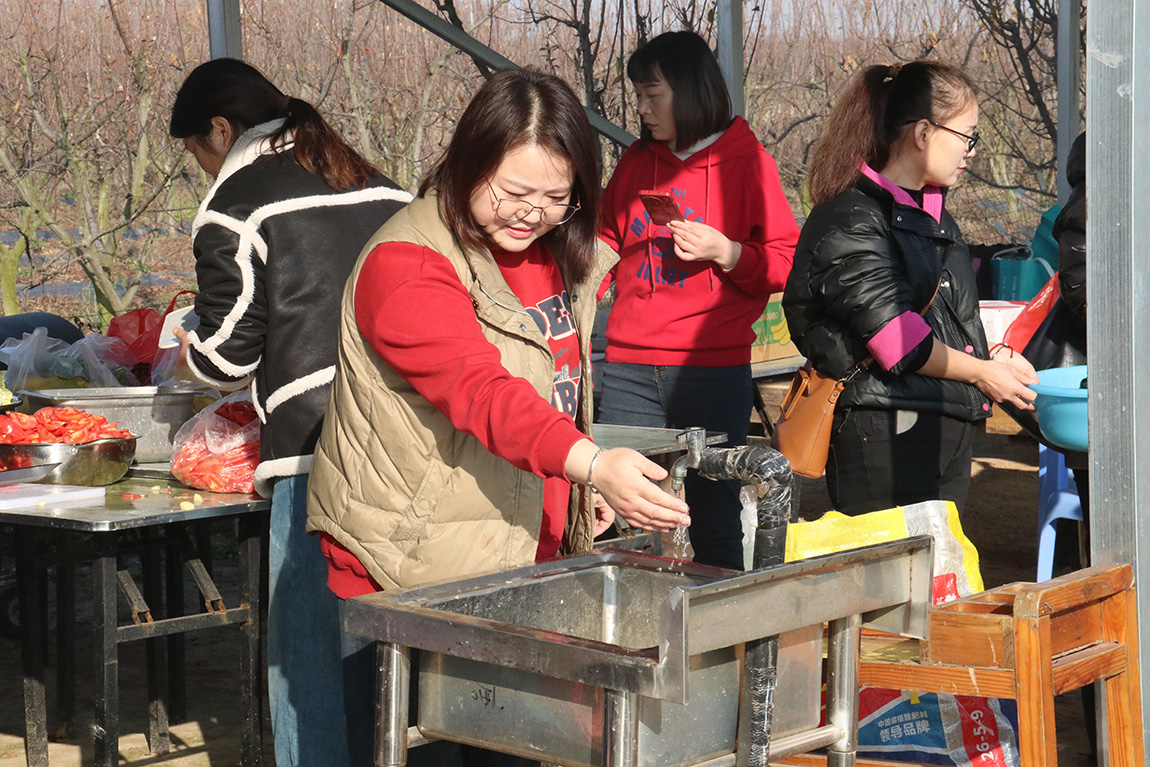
[1000, 518]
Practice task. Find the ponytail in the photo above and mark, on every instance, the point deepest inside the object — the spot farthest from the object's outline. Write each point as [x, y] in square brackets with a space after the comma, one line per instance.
[238, 92]
[873, 112]
[321, 150]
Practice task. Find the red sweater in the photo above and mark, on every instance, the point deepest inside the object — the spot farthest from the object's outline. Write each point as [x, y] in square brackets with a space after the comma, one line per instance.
[415, 313]
[674, 312]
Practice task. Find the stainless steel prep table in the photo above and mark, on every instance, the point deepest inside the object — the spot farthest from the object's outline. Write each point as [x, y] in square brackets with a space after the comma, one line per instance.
[132, 508]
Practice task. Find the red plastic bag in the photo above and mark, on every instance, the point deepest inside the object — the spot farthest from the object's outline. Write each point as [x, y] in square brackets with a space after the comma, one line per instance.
[1018, 335]
[140, 329]
[219, 449]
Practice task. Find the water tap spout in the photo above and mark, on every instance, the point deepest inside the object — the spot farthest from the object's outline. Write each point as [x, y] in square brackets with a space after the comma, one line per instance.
[694, 439]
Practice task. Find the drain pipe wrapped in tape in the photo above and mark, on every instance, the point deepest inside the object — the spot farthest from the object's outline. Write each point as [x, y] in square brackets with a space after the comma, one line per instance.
[769, 471]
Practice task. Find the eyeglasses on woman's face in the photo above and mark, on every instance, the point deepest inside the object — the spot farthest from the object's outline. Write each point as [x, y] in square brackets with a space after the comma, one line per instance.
[517, 210]
[971, 140]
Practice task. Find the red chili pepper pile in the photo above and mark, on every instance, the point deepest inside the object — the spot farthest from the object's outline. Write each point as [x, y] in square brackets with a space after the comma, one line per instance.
[57, 424]
[230, 471]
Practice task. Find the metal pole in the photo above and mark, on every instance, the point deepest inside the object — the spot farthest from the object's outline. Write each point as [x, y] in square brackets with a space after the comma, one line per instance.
[472, 47]
[729, 25]
[843, 688]
[224, 35]
[1118, 293]
[1068, 54]
[394, 662]
[622, 729]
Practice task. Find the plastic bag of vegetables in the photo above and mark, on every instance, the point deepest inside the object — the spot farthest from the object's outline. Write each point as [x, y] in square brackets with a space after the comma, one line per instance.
[219, 448]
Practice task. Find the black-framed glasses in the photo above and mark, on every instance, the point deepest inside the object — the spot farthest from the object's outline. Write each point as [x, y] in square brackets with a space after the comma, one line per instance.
[517, 210]
[971, 140]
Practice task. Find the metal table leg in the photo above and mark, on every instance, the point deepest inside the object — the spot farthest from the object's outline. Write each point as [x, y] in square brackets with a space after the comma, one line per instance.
[29, 566]
[156, 649]
[174, 604]
[394, 663]
[106, 726]
[843, 688]
[251, 568]
[622, 727]
[66, 636]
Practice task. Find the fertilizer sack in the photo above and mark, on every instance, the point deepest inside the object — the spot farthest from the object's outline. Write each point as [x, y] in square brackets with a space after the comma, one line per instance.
[902, 725]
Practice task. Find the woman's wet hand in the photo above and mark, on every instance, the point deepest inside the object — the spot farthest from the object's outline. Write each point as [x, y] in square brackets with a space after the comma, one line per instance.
[604, 515]
[626, 481]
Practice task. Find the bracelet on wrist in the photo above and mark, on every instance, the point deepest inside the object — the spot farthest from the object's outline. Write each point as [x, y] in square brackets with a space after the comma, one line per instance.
[999, 347]
[591, 470]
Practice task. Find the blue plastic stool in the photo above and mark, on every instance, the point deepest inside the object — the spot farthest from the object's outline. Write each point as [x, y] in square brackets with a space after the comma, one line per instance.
[1057, 499]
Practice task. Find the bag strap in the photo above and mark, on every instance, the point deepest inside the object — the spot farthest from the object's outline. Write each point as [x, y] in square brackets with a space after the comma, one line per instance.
[870, 357]
[172, 303]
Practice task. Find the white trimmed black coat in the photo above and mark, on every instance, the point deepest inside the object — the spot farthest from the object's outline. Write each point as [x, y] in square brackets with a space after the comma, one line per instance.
[274, 246]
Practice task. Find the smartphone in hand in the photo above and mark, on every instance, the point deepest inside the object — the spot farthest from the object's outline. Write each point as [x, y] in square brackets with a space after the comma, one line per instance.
[660, 206]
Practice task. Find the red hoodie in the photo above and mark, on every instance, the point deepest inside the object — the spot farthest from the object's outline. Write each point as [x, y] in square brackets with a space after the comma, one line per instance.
[674, 312]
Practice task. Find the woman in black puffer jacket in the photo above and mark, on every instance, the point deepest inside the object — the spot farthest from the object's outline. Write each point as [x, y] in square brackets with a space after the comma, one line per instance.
[873, 253]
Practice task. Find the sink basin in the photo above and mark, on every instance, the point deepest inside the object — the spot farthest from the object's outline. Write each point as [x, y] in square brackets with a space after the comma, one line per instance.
[524, 662]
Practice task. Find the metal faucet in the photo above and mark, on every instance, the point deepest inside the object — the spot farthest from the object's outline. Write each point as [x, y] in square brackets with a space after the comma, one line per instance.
[694, 440]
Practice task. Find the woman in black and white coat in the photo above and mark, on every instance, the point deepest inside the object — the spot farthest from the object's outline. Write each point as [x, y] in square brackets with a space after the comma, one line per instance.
[275, 240]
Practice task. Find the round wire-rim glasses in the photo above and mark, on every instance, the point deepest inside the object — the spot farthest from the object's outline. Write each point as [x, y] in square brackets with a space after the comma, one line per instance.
[971, 140]
[517, 210]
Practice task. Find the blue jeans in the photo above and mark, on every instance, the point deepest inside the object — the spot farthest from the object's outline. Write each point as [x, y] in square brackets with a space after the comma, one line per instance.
[305, 683]
[680, 397]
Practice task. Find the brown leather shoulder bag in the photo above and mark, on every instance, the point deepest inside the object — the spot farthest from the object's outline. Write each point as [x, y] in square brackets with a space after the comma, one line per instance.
[803, 430]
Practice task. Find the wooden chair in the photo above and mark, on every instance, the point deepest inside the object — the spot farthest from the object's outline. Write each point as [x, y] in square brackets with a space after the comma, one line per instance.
[1030, 642]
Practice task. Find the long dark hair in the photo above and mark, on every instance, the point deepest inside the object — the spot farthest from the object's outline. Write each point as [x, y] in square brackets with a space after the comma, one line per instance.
[239, 93]
[874, 110]
[701, 104]
[515, 108]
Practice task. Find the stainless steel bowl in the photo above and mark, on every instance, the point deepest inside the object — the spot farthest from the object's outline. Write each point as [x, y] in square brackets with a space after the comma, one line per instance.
[101, 462]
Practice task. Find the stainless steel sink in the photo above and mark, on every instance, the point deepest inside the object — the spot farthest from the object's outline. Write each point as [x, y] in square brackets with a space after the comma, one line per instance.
[621, 658]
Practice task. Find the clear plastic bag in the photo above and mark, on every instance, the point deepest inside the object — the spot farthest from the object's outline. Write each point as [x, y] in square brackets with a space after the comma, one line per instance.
[105, 361]
[219, 448]
[36, 361]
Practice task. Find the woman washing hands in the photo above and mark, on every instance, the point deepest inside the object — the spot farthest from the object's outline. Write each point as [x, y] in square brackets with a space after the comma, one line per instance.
[457, 437]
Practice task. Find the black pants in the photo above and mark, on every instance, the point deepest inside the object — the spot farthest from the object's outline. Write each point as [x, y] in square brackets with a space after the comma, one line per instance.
[879, 460]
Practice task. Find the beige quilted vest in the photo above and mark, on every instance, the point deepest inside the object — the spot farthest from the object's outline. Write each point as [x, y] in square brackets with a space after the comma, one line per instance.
[413, 498]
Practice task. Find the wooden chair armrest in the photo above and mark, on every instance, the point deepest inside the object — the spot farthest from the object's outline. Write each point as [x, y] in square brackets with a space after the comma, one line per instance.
[1073, 589]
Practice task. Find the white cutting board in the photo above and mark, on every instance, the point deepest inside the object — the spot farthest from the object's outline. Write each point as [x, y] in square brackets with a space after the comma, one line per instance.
[26, 495]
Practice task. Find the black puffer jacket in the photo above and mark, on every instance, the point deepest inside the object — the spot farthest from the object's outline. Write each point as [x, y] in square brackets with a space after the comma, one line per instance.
[1070, 231]
[274, 246]
[862, 260]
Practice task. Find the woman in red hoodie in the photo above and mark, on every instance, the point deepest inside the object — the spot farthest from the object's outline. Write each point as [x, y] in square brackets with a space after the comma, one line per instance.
[679, 335]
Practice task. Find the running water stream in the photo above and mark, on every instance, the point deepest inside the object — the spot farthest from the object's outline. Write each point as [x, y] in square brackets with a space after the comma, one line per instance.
[679, 539]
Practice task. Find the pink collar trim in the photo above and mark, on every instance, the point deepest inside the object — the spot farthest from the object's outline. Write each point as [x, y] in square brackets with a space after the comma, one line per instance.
[931, 195]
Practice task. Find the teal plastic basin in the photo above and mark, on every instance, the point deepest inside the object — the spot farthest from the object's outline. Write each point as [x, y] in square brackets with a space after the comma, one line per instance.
[1061, 406]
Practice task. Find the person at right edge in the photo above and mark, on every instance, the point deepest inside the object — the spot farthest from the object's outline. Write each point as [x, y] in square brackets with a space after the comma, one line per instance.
[873, 252]
[1068, 332]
